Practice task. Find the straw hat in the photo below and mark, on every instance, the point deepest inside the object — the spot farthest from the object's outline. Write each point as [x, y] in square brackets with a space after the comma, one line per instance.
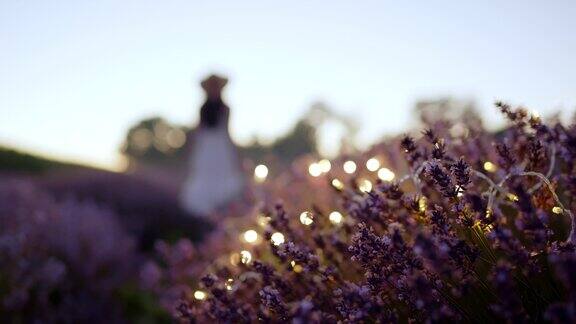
[214, 82]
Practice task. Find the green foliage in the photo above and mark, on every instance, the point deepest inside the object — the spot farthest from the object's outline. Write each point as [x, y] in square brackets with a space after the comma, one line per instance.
[299, 141]
[148, 142]
[155, 141]
[141, 306]
[16, 161]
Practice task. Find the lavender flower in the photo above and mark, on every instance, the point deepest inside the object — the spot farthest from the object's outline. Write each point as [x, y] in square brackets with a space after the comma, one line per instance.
[478, 238]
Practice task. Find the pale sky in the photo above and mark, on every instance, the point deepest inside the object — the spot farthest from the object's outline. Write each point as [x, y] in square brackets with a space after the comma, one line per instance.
[74, 75]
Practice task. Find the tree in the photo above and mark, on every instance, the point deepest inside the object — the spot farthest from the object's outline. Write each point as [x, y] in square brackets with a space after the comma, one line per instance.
[155, 141]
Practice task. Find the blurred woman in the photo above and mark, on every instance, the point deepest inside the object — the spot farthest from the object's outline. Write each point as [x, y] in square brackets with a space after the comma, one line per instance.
[215, 176]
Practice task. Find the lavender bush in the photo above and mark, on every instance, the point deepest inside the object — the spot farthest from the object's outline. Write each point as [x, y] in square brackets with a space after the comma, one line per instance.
[146, 210]
[469, 227]
[60, 261]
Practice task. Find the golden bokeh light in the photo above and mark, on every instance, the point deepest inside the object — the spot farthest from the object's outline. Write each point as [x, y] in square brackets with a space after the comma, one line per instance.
[459, 191]
[557, 210]
[365, 185]
[245, 257]
[234, 259]
[488, 228]
[229, 284]
[260, 173]
[199, 295]
[372, 164]
[142, 139]
[262, 220]
[250, 236]
[349, 167]
[325, 165]
[336, 183]
[176, 138]
[512, 197]
[335, 217]
[296, 267]
[489, 166]
[422, 204]
[315, 169]
[386, 174]
[277, 238]
[306, 218]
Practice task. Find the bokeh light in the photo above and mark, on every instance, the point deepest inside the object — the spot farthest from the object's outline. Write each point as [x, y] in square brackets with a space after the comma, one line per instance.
[325, 165]
[277, 238]
[234, 259]
[422, 204]
[489, 166]
[314, 169]
[372, 164]
[365, 185]
[386, 174]
[229, 284]
[512, 197]
[335, 217]
[336, 183]
[199, 295]
[175, 138]
[349, 167]
[306, 218]
[296, 267]
[260, 172]
[262, 220]
[245, 257]
[250, 236]
[557, 210]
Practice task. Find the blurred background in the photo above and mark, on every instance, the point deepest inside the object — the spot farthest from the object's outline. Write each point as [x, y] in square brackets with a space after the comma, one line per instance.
[99, 106]
[75, 77]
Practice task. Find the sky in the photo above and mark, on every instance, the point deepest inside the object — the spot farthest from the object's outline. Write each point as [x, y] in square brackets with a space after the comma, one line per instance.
[75, 75]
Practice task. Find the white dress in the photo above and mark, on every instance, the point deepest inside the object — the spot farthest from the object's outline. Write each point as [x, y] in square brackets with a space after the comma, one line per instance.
[215, 176]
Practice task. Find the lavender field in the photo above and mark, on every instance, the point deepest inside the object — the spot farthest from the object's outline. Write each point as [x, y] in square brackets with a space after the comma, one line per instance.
[469, 227]
[301, 162]
[451, 224]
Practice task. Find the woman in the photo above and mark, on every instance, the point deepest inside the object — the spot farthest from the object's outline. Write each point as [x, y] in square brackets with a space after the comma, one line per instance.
[215, 176]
